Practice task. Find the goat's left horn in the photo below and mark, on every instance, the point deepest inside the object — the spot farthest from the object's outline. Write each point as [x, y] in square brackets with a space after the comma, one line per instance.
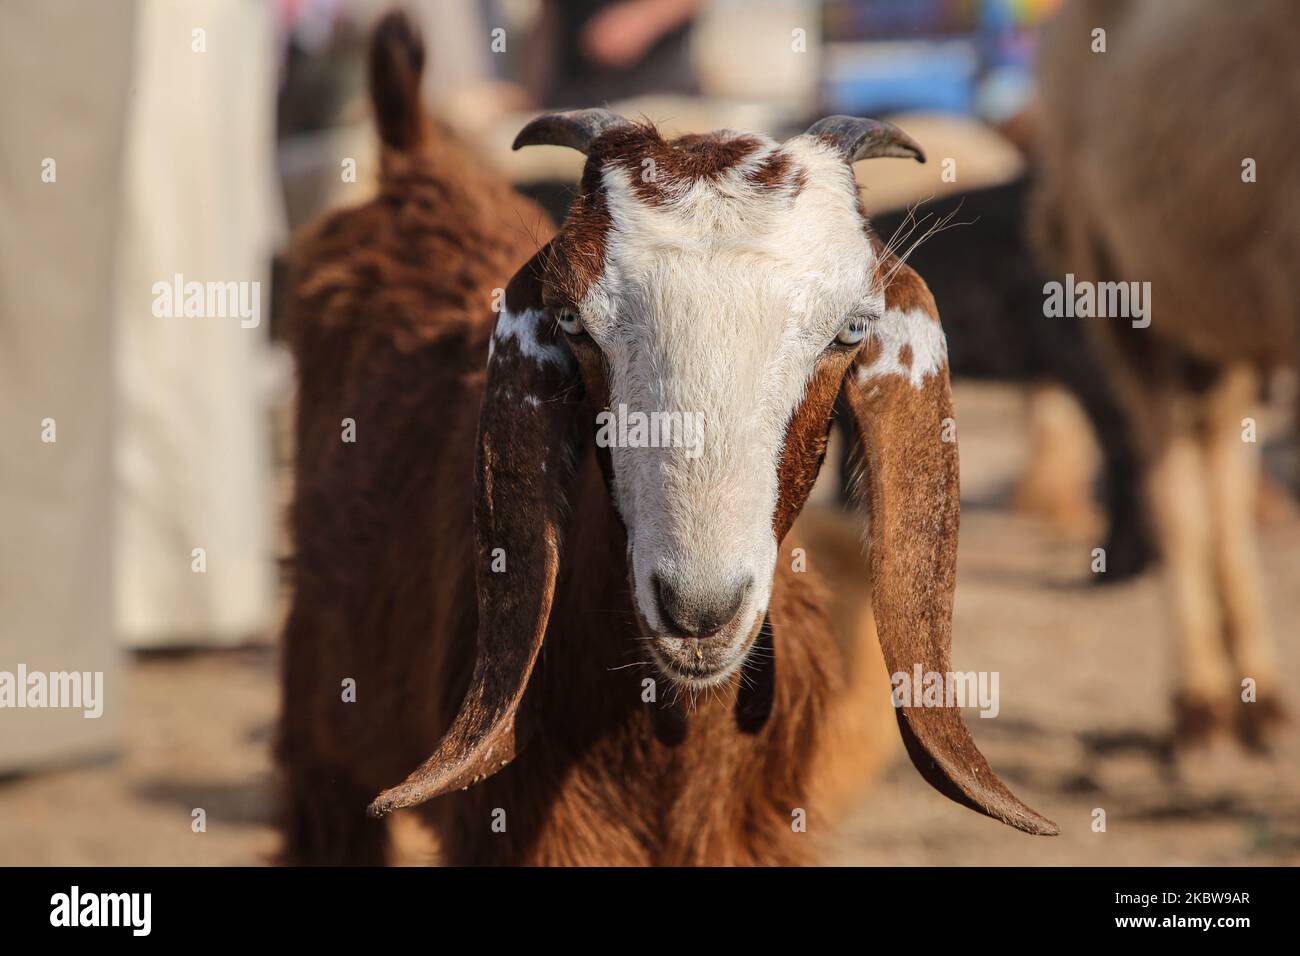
[576, 129]
[859, 138]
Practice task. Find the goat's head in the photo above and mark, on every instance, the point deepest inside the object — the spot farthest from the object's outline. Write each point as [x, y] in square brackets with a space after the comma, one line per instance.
[714, 291]
[712, 297]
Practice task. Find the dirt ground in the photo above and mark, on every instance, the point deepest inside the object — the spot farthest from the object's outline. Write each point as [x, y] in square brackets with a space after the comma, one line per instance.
[1085, 681]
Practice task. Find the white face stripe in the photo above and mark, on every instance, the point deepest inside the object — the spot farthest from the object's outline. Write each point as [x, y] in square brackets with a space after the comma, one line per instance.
[915, 329]
[718, 302]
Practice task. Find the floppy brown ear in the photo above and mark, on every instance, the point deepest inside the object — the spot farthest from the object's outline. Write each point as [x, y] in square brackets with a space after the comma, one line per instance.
[528, 431]
[898, 393]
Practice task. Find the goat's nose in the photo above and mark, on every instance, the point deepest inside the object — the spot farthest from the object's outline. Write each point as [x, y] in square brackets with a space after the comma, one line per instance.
[697, 613]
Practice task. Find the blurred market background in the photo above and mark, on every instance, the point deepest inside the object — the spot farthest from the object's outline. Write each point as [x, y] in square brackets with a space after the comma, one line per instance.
[193, 137]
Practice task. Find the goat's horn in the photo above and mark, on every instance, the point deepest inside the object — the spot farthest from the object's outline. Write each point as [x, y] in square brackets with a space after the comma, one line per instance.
[523, 478]
[859, 138]
[487, 734]
[904, 415]
[576, 129]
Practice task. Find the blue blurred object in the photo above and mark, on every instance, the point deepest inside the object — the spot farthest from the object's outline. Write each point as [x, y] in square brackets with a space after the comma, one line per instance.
[865, 78]
[897, 19]
[955, 56]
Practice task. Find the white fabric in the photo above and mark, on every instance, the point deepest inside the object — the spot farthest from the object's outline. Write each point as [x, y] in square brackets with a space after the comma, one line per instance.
[64, 71]
[192, 457]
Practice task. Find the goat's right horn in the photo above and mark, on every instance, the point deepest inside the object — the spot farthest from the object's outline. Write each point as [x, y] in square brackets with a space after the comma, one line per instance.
[576, 129]
[860, 138]
[529, 428]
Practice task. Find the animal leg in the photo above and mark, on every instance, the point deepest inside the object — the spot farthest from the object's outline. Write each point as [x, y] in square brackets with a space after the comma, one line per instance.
[1057, 482]
[1166, 394]
[1233, 473]
[1130, 545]
[1180, 500]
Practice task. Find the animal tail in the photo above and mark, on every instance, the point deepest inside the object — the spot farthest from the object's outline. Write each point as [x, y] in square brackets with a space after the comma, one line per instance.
[396, 63]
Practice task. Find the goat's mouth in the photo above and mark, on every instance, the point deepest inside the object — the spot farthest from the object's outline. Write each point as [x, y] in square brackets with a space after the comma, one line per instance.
[684, 668]
[700, 663]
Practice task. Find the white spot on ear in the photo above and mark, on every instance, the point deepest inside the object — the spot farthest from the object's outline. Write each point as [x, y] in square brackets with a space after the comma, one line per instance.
[522, 328]
[918, 330]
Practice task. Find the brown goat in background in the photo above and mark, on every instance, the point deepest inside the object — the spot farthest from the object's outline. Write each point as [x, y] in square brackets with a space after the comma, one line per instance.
[475, 500]
[1143, 179]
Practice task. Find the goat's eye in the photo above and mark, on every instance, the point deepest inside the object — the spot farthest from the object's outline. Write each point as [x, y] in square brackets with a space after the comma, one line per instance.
[852, 331]
[569, 321]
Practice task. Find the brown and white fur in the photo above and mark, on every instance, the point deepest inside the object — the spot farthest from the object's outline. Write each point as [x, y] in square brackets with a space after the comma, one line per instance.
[1142, 150]
[505, 591]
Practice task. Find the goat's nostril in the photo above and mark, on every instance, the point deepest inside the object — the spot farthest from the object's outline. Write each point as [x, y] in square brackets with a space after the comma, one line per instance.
[696, 615]
[718, 612]
[669, 606]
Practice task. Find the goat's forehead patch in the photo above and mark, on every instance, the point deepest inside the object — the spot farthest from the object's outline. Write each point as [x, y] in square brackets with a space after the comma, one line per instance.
[661, 165]
[789, 209]
[741, 222]
[661, 171]
[723, 181]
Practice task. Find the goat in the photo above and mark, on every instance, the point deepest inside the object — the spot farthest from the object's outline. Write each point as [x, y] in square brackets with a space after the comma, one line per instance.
[1131, 187]
[475, 623]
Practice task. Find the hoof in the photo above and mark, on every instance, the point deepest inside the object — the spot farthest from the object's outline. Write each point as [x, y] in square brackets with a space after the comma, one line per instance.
[1129, 554]
[1198, 723]
[1258, 723]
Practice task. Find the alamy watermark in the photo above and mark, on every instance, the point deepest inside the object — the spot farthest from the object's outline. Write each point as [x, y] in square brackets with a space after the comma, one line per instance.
[1101, 300]
[55, 690]
[922, 688]
[75, 908]
[625, 429]
[177, 298]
